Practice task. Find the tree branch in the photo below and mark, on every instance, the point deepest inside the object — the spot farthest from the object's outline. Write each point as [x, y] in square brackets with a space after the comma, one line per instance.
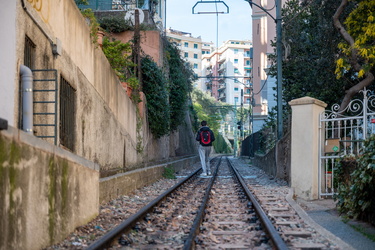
[369, 77]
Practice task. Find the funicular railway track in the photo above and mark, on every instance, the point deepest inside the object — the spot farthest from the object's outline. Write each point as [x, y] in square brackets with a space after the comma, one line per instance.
[198, 213]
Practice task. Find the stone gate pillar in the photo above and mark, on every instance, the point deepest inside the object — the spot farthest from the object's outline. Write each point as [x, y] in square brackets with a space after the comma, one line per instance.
[305, 146]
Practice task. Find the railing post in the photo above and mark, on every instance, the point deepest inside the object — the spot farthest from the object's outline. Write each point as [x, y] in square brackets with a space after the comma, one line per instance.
[365, 100]
[305, 146]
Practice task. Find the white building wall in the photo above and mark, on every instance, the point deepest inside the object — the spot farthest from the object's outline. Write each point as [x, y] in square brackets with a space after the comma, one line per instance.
[8, 61]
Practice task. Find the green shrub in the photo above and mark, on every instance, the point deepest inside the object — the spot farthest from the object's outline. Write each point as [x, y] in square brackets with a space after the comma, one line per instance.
[355, 194]
[115, 24]
[118, 55]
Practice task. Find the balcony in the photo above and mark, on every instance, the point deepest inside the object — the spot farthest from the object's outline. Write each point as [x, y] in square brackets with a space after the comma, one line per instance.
[222, 87]
[221, 70]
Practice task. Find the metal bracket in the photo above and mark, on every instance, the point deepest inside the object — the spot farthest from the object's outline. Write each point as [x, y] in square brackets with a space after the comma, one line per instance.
[210, 12]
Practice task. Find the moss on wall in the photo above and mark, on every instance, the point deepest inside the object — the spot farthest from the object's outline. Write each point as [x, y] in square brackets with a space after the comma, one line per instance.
[51, 198]
[10, 155]
[58, 196]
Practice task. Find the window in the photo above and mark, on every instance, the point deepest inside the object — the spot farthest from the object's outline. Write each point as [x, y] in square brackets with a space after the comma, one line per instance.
[247, 62]
[195, 46]
[236, 61]
[236, 71]
[67, 114]
[236, 99]
[186, 54]
[29, 53]
[195, 65]
[195, 56]
[235, 89]
[186, 44]
[248, 100]
[235, 51]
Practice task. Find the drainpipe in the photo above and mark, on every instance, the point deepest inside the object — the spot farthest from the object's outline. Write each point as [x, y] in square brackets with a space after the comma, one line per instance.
[27, 98]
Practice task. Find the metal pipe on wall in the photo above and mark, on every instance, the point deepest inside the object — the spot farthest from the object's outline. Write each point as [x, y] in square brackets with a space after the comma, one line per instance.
[27, 99]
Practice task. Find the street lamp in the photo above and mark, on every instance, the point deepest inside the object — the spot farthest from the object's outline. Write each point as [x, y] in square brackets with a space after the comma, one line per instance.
[279, 63]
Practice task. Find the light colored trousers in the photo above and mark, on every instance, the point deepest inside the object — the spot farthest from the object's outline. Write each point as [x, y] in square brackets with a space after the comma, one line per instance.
[204, 154]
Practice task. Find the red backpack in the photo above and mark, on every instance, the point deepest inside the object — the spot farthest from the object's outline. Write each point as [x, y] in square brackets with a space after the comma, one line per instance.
[205, 137]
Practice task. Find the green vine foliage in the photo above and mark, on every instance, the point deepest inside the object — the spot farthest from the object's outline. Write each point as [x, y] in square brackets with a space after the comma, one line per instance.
[181, 77]
[83, 2]
[156, 92]
[356, 184]
[93, 23]
[117, 24]
[118, 55]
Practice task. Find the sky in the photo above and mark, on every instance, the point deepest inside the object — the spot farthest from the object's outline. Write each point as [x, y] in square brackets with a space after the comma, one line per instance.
[234, 25]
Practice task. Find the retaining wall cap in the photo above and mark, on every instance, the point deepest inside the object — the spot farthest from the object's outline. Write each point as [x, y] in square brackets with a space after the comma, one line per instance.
[307, 100]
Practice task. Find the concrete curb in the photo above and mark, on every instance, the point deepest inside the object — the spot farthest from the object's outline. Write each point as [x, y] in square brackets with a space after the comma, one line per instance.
[307, 219]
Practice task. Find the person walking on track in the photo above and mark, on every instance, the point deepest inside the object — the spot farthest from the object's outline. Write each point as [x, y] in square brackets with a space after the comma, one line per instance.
[205, 136]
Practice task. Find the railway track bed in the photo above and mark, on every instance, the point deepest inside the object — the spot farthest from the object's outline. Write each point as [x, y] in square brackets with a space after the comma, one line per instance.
[228, 220]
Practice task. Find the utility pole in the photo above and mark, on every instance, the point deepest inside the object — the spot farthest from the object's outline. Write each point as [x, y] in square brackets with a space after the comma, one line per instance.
[235, 129]
[279, 71]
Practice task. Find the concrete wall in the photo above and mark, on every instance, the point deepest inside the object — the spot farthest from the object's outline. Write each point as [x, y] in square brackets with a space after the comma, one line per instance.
[125, 183]
[305, 146]
[46, 192]
[277, 161]
[106, 120]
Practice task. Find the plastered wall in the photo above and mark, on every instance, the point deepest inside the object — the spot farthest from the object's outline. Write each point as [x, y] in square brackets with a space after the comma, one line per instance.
[46, 192]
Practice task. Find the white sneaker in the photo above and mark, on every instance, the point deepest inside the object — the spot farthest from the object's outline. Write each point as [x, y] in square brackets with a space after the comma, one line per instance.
[203, 175]
[209, 173]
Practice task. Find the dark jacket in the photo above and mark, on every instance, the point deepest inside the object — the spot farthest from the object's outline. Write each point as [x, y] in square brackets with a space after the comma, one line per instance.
[198, 137]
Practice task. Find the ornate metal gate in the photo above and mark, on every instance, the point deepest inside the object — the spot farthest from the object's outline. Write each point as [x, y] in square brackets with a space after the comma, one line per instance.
[342, 133]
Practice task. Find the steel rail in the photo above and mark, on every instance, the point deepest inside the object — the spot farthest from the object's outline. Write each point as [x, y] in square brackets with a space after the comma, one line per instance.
[189, 242]
[108, 238]
[266, 222]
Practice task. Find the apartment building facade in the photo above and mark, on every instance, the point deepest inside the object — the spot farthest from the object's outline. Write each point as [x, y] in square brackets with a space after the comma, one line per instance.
[228, 72]
[192, 49]
[264, 31]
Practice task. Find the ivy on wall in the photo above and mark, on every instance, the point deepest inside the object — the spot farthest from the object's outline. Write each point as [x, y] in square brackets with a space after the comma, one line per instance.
[156, 92]
[167, 91]
[181, 77]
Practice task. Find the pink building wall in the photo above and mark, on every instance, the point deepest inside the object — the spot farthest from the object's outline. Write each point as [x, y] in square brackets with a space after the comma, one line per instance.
[150, 43]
